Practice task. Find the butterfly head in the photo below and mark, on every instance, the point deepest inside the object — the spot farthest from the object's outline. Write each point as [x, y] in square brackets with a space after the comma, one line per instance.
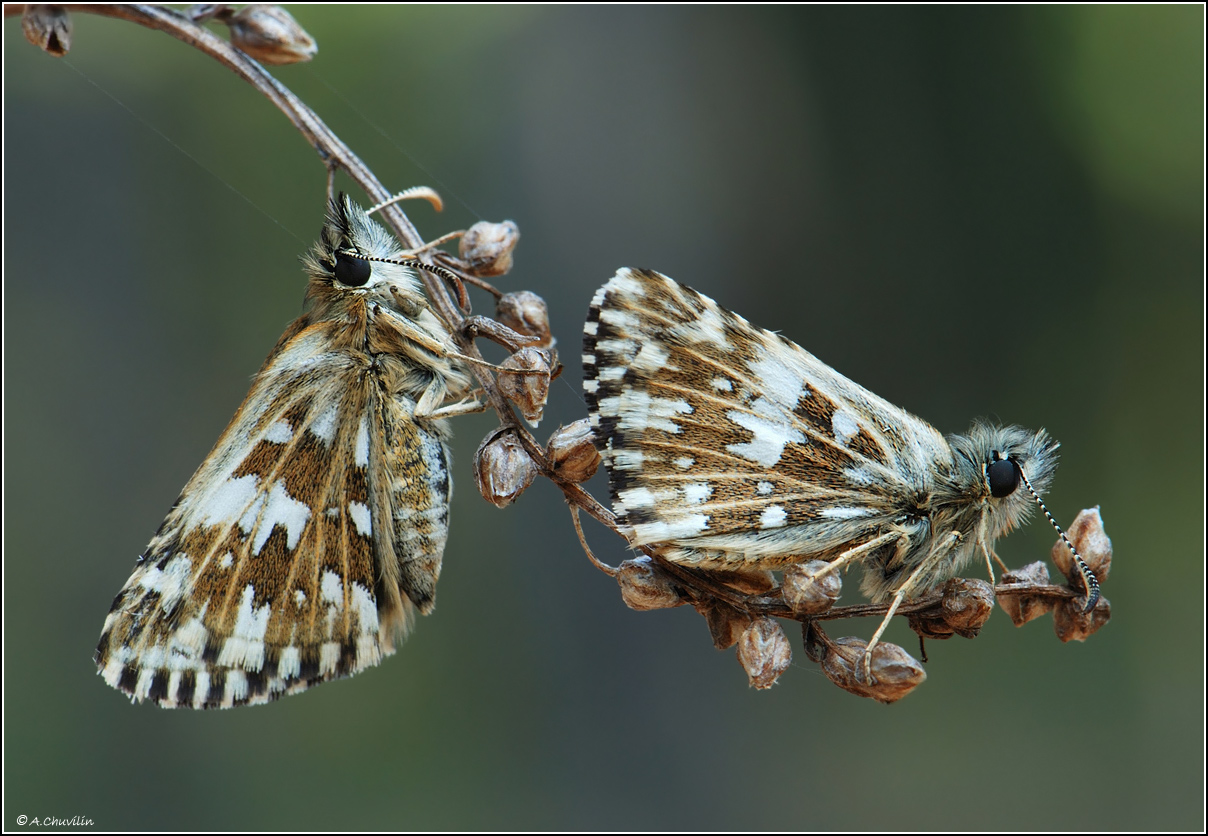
[995, 465]
[350, 265]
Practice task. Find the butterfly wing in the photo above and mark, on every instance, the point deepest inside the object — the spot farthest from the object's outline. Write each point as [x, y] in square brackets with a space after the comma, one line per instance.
[733, 445]
[300, 549]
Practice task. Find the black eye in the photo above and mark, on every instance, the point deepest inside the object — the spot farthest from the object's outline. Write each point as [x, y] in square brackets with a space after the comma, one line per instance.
[351, 270]
[1003, 477]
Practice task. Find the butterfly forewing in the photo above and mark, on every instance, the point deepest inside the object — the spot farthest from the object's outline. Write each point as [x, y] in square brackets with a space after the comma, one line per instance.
[313, 531]
[734, 443]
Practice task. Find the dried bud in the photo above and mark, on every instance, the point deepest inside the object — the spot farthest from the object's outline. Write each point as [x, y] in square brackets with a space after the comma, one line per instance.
[810, 588]
[764, 652]
[502, 468]
[47, 27]
[525, 313]
[270, 35]
[965, 606]
[894, 672]
[726, 624]
[525, 381]
[486, 248]
[1025, 608]
[572, 452]
[645, 587]
[1073, 624]
[1092, 542]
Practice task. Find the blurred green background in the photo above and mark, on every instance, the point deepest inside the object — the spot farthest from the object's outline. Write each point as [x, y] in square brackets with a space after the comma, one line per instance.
[973, 212]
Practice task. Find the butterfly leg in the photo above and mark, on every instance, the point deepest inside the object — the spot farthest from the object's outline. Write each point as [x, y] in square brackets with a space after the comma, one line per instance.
[854, 554]
[928, 565]
[430, 406]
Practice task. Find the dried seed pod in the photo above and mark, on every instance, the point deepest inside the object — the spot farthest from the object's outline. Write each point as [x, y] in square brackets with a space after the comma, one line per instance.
[645, 587]
[1025, 608]
[764, 652]
[270, 35]
[524, 380]
[502, 468]
[726, 624]
[486, 248]
[47, 27]
[1072, 623]
[572, 452]
[525, 313]
[964, 608]
[1092, 542]
[894, 672]
[810, 588]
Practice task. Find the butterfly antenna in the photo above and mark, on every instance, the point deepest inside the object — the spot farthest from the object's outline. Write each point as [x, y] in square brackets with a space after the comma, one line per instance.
[447, 275]
[1088, 577]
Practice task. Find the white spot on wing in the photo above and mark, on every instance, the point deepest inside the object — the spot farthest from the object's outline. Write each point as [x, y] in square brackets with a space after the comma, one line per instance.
[689, 525]
[621, 319]
[365, 609]
[329, 657]
[782, 381]
[707, 328]
[696, 492]
[722, 384]
[228, 500]
[622, 348]
[171, 582]
[845, 426]
[772, 517]
[635, 498]
[624, 282]
[641, 412]
[331, 588]
[280, 509]
[684, 462]
[290, 663]
[360, 517]
[244, 648]
[279, 432]
[236, 687]
[628, 459]
[652, 358]
[362, 442]
[844, 513]
[324, 427]
[770, 437]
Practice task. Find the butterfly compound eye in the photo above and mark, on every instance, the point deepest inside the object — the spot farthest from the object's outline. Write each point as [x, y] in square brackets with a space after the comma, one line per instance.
[351, 270]
[1003, 476]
